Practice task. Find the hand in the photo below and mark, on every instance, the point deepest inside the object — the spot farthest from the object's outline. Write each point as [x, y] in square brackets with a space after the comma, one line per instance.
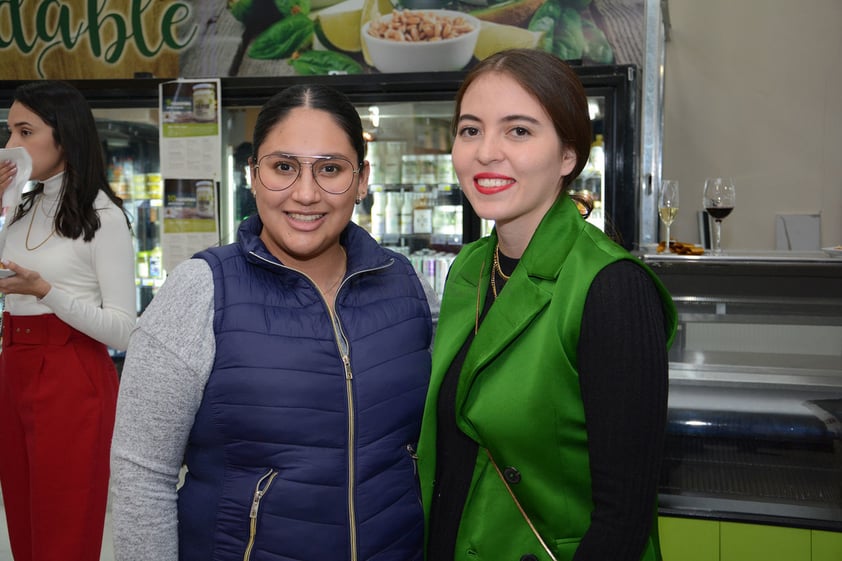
[24, 281]
[8, 169]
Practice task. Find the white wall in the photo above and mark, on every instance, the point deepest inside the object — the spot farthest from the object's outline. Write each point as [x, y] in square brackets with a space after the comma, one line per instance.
[753, 89]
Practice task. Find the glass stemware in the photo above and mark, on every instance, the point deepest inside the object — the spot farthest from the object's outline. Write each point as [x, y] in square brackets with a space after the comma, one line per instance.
[719, 200]
[668, 205]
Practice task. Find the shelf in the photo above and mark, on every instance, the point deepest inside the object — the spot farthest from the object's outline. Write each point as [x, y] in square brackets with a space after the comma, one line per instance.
[156, 202]
[154, 283]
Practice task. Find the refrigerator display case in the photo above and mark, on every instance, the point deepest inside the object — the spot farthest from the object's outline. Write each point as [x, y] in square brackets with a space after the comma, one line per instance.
[755, 403]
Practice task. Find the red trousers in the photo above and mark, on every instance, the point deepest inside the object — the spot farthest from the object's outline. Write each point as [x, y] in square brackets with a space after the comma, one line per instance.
[58, 394]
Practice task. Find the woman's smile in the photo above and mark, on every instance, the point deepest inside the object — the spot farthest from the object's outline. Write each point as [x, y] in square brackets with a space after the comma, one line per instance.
[491, 183]
[305, 217]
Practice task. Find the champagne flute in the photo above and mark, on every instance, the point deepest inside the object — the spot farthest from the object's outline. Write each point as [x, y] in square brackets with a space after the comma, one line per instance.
[719, 199]
[668, 205]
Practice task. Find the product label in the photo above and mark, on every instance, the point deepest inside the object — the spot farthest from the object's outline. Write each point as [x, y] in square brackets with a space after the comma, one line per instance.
[422, 221]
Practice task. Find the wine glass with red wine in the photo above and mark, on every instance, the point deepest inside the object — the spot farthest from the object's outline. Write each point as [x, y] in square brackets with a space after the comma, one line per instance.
[719, 199]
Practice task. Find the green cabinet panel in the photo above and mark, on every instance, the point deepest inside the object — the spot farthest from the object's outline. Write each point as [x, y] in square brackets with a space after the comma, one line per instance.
[827, 546]
[686, 539]
[750, 542]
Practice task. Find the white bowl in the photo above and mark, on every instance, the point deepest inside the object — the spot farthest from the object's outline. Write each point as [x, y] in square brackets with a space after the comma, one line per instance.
[445, 55]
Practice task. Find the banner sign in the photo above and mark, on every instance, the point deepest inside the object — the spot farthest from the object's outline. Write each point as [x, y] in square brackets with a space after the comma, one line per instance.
[93, 39]
[191, 165]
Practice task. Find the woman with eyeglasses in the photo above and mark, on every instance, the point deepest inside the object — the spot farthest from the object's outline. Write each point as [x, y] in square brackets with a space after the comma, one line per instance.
[286, 372]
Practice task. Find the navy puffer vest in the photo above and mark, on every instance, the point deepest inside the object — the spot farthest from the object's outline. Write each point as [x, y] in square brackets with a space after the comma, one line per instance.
[303, 446]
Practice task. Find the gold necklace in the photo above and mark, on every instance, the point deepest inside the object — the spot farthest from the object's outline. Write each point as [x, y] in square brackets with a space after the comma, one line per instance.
[497, 270]
[329, 290]
[335, 283]
[31, 221]
[497, 263]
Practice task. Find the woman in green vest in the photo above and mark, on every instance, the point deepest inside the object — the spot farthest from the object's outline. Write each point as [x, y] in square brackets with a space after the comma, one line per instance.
[543, 428]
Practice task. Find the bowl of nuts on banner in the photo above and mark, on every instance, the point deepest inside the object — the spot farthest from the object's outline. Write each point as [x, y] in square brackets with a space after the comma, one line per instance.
[421, 40]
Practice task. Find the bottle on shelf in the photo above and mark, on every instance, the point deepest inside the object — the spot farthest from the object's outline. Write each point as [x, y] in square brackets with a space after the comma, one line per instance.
[434, 265]
[154, 185]
[375, 162]
[378, 214]
[405, 216]
[392, 213]
[410, 168]
[391, 161]
[427, 168]
[425, 136]
[422, 213]
[447, 216]
[444, 169]
[155, 260]
[142, 264]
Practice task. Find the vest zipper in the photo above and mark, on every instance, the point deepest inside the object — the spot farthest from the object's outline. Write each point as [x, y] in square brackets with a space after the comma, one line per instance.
[343, 347]
[352, 510]
[260, 490]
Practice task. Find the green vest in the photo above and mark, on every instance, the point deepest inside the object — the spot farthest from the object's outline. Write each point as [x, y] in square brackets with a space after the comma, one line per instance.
[518, 393]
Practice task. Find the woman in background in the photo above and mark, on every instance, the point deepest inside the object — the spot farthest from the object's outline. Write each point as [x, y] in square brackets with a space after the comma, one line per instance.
[545, 419]
[72, 295]
[286, 371]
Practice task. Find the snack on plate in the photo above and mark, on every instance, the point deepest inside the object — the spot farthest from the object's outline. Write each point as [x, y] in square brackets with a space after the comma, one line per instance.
[409, 25]
[682, 248]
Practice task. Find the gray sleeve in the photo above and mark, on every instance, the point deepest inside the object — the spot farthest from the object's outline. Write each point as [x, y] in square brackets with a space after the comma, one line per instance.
[169, 358]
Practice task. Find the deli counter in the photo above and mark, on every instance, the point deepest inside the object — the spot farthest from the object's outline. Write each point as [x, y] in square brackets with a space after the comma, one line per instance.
[755, 406]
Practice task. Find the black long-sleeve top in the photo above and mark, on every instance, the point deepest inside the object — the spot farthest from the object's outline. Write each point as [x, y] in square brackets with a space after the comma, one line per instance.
[623, 374]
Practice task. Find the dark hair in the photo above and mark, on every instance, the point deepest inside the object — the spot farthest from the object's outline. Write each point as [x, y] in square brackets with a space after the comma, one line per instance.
[554, 85]
[320, 97]
[67, 112]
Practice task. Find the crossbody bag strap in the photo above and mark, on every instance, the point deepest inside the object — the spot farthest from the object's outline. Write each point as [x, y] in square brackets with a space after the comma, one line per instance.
[520, 508]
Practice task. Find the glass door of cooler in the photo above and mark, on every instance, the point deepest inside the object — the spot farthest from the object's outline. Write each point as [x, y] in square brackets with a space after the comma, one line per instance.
[130, 143]
[414, 205]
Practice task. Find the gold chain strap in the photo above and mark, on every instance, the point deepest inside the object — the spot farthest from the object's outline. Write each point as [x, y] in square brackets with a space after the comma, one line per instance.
[520, 508]
[31, 221]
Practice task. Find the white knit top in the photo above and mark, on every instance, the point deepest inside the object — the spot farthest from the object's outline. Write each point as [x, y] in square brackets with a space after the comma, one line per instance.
[93, 283]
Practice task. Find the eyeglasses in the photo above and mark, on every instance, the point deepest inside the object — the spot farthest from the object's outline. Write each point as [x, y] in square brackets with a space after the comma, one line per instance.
[333, 174]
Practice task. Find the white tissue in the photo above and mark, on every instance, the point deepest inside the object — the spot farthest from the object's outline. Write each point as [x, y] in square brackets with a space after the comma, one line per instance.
[12, 194]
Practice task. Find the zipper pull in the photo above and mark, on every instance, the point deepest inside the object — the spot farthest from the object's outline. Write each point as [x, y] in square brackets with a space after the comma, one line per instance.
[347, 362]
[258, 492]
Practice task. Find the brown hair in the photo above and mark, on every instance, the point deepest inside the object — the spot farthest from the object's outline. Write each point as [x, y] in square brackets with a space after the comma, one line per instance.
[554, 85]
[66, 111]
